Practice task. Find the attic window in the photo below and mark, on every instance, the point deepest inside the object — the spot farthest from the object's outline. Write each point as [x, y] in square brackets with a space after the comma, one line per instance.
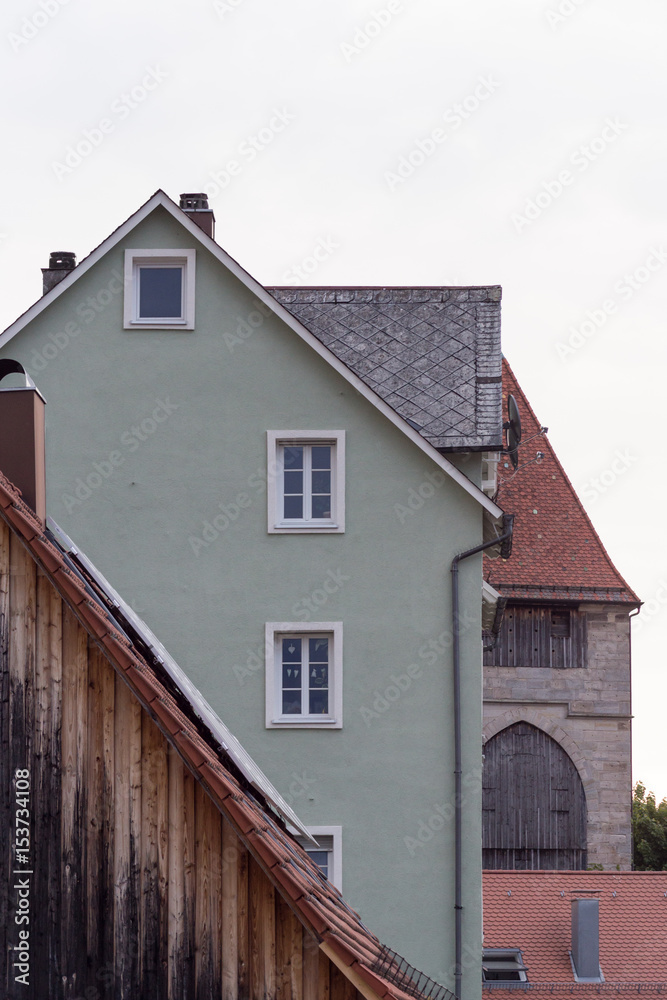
[159, 289]
[503, 966]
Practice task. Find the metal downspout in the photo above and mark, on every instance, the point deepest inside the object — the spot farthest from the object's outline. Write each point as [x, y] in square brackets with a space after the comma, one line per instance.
[504, 541]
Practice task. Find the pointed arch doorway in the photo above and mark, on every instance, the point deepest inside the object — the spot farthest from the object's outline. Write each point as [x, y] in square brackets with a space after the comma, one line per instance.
[533, 803]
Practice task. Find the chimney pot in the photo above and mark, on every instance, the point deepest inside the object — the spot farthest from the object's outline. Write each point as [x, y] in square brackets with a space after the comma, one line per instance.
[22, 455]
[196, 206]
[61, 262]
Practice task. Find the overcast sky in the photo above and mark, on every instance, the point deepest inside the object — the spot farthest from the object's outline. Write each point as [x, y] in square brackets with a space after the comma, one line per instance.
[443, 142]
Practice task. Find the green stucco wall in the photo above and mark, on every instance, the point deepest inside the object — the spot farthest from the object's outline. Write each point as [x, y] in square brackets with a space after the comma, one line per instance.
[206, 399]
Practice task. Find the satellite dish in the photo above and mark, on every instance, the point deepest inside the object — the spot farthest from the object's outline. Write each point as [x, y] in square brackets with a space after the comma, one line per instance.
[513, 428]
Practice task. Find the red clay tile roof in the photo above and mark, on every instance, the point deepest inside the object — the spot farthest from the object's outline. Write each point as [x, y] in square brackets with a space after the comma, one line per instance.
[531, 910]
[556, 552]
[320, 905]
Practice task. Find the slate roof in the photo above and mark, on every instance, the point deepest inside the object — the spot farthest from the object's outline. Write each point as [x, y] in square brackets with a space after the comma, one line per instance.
[319, 904]
[556, 552]
[432, 354]
[531, 910]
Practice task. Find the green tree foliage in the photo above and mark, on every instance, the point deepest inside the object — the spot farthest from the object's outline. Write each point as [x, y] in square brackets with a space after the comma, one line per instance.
[649, 831]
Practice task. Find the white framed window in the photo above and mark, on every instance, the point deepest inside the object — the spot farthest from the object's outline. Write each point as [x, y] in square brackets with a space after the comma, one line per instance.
[306, 481]
[504, 966]
[328, 853]
[159, 290]
[304, 675]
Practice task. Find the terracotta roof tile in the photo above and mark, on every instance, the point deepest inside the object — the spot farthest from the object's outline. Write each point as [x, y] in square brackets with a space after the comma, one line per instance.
[556, 552]
[531, 910]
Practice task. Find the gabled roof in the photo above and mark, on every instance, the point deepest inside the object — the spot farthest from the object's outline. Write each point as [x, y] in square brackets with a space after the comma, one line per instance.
[394, 415]
[556, 552]
[433, 354]
[370, 966]
[531, 910]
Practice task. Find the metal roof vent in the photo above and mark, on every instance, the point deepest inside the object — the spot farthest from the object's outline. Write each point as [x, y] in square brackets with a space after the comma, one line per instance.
[61, 262]
[196, 206]
[22, 456]
[585, 954]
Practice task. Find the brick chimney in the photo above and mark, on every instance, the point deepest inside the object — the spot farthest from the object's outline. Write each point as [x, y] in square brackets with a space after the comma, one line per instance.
[22, 455]
[61, 262]
[585, 952]
[196, 206]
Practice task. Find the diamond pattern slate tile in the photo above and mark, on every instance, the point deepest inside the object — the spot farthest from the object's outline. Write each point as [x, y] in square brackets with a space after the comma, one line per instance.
[421, 349]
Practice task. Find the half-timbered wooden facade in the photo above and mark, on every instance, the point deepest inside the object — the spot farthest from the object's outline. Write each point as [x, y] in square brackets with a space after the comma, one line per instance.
[137, 861]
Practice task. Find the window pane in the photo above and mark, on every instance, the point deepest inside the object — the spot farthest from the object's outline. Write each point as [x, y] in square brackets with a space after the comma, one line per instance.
[291, 703]
[318, 676]
[293, 507]
[291, 676]
[160, 292]
[321, 506]
[292, 651]
[292, 457]
[321, 859]
[321, 456]
[318, 651]
[321, 483]
[294, 482]
[318, 702]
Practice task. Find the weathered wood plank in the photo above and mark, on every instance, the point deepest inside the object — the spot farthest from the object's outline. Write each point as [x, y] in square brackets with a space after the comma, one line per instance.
[153, 833]
[73, 841]
[230, 898]
[324, 976]
[262, 934]
[289, 957]
[243, 915]
[48, 658]
[127, 818]
[208, 914]
[311, 967]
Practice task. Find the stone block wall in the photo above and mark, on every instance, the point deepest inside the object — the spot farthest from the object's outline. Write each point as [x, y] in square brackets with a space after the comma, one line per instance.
[588, 712]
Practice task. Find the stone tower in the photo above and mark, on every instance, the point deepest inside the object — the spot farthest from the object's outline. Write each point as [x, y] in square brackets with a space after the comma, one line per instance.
[557, 716]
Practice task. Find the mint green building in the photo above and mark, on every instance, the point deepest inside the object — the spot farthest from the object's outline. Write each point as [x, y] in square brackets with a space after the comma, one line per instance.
[278, 481]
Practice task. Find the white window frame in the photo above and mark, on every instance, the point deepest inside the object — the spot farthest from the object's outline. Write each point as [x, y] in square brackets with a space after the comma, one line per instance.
[276, 440]
[336, 853]
[134, 259]
[274, 632]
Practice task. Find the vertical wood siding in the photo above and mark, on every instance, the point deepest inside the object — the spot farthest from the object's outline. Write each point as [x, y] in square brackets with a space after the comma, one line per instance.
[537, 636]
[140, 890]
[533, 803]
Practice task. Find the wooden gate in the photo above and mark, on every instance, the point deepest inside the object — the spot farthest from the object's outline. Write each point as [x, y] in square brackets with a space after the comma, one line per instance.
[534, 804]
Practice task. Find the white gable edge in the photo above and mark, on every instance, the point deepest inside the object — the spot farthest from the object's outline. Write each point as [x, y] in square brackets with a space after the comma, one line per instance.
[160, 198]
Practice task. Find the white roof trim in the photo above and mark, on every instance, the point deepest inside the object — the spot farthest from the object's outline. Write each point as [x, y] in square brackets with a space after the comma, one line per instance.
[161, 199]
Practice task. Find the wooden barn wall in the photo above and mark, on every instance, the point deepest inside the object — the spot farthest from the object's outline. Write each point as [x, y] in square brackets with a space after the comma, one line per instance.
[137, 887]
